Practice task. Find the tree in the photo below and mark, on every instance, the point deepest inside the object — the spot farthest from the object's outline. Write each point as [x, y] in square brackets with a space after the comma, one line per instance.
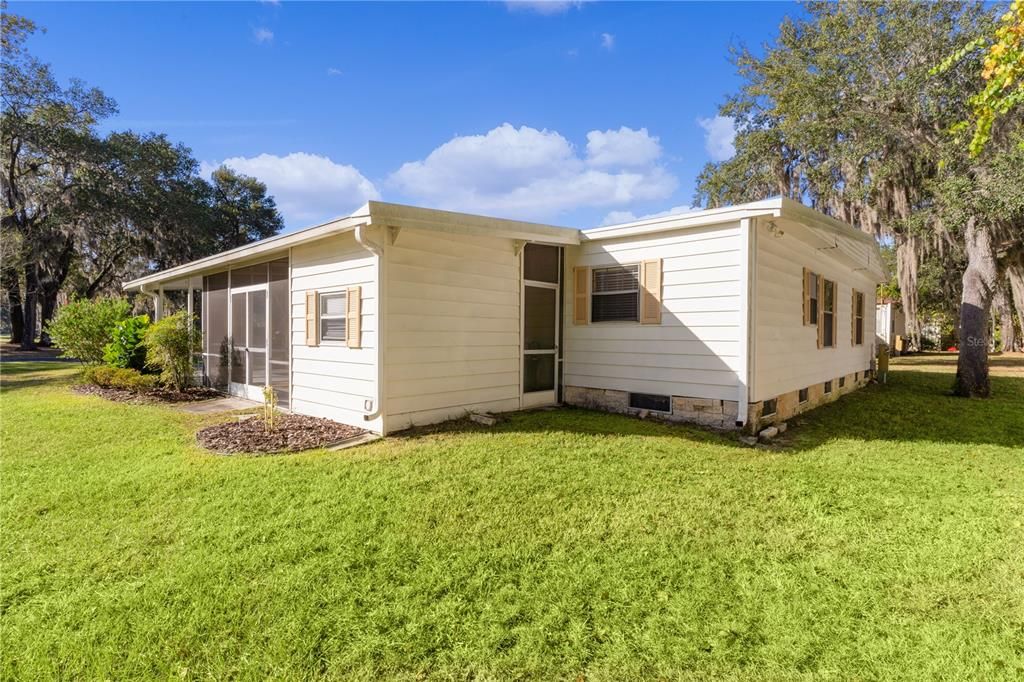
[47, 134]
[83, 212]
[242, 210]
[846, 112]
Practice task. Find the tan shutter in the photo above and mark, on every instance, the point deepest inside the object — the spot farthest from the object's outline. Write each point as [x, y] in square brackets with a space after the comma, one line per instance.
[581, 295]
[821, 311]
[807, 297]
[853, 317]
[312, 319]
[354, 317]
[835, 314]
[650, 297]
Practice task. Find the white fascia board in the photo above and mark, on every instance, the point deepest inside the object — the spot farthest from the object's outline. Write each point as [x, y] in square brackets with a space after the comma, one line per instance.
[713, 216]
[401, 215]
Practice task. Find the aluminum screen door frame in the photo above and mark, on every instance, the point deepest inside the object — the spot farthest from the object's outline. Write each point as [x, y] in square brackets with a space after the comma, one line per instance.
[248, 390]
[545, 396]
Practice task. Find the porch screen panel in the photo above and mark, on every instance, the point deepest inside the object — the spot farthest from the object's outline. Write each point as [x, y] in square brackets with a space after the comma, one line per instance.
[280, 332]
[216, 348]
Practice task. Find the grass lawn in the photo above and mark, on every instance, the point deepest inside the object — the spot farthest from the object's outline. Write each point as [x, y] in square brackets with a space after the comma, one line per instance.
[883, 540]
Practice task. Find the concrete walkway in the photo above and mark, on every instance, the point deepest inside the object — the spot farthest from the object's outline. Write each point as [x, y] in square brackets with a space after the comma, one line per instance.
[219, 405]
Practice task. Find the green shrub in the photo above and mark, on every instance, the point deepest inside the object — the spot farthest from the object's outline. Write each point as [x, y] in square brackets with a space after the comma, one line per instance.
[125, 348]
[83, 328]
[119, 377]
[170, 345]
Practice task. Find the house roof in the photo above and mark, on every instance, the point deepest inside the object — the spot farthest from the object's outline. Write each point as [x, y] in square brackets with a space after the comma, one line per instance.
[858, 249]
[846, 243]
[373, 213]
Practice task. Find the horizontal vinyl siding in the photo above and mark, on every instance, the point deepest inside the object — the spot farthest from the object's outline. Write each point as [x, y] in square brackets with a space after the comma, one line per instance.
[453, 327]
[694, 352]
[786, 353]
[332, 380]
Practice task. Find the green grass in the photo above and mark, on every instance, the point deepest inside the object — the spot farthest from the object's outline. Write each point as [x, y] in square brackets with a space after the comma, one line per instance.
[883, 540]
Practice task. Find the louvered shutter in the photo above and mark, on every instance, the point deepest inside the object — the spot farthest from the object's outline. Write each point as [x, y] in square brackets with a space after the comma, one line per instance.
[354, 317]
[581, 295]
[806, 297]
[853, 317]
[312, 319]
[650, 295]
[821, 311]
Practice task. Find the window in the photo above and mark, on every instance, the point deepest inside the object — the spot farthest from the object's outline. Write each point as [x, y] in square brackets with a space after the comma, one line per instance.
[858, 318]
[332, 317]
[842, 382]
[615, 296]
[828, 387]
[649, 401]
[811, 285]
[827, 328]
[803, 395]
[769, 407]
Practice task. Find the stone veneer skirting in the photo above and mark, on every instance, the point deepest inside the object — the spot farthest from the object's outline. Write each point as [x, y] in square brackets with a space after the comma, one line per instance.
[716, 413]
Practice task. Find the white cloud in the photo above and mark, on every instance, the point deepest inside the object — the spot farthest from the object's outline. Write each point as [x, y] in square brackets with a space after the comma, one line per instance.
[719, 136]
[536, 174]
[607, 41]
[334, 72]
[545, 7]
[622, 147]
[263, 35]
[308, 188]
[618, 217]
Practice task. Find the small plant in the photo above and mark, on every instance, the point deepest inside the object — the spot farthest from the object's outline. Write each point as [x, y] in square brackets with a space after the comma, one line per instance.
[170, 344]
[119, 377]
[269, 408]
[83, 328]
[126, 348]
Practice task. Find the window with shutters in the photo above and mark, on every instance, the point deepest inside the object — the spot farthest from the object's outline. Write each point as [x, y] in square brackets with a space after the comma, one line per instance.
[827, 329]
[615, 294]
[858, 318]
[332, 317]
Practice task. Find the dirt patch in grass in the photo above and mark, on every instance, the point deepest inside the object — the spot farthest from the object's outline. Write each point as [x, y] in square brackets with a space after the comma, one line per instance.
[156, 395]
[292, 432]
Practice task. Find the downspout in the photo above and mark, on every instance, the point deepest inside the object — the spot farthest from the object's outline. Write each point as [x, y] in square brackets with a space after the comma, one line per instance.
[378, 251]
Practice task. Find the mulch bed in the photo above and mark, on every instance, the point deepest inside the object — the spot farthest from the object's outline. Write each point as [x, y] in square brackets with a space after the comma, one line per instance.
[157, 395]
[291, 432]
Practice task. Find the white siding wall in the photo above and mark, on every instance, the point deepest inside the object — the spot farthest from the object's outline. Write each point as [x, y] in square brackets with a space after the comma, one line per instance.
[786, 353]
[694, 352]
[452, 327]
[332, 380]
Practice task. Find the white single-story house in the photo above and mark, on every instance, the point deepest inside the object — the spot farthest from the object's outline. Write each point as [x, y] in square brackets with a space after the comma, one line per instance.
[397, 316]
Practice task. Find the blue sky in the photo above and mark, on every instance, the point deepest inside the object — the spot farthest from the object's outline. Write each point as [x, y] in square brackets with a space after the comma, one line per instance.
[571, 113]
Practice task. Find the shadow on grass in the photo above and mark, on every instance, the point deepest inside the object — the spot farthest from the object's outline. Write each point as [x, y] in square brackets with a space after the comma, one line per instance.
[19, 375]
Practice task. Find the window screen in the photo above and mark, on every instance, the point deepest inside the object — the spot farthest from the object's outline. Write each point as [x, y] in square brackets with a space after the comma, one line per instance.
[615, 294]
[828, 313]
[540, 263]
[770, 407]
[842, 382]
[650, 401]
[828, 387]
[332, 317]
[812, 298]
[803, 395]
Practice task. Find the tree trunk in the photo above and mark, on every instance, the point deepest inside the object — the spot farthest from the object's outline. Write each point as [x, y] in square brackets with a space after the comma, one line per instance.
[28, 339]
[906, 275]
[49, 307]
[980, 282]
[1001, 303]
[1015, 273]
[12, 289]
